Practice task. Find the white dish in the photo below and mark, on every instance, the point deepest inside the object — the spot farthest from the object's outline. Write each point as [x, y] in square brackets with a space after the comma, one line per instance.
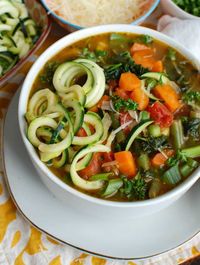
[130, 239]
[122, 210]
[170, 8]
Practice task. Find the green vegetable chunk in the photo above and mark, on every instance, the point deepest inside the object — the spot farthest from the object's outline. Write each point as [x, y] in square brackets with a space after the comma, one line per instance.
[172, 176]
[113, 186]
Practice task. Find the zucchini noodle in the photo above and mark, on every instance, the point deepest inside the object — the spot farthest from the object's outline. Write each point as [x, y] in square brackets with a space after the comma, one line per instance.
[55, 117]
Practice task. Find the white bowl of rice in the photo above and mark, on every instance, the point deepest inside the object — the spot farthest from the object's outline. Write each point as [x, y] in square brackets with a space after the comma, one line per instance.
[73, 15]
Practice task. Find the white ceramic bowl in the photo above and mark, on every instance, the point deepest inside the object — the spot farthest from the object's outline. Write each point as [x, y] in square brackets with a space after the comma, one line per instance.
[170, 8]
[60, 189]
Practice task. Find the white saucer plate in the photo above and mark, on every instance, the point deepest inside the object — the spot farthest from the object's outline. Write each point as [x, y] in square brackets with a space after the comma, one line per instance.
[136, 238]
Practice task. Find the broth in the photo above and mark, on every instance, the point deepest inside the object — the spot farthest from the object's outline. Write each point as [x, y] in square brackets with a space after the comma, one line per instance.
[174, 115]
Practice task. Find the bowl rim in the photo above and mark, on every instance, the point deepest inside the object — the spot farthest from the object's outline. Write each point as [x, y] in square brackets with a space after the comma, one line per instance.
[77, 27]
[182, 12]
[35, 47]
[51, 52]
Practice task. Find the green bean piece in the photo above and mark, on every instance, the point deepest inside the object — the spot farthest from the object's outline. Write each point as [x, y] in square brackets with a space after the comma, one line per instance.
[191, 151]
[177, 134]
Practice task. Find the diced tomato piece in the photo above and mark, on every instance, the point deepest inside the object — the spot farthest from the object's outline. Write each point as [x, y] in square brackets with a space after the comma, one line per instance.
[108, 157]
[160, 114]
[124, 118]
[122, 93]
[93, 168]
[81, 133]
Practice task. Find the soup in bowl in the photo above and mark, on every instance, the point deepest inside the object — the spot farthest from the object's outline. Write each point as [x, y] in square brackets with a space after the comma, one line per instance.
[111, 115]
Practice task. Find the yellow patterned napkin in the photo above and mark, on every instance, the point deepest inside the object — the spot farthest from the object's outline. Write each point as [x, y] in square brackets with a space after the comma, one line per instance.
[22, 244]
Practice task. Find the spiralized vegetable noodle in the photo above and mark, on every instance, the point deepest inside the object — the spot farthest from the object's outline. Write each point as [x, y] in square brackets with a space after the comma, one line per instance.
[97, 12]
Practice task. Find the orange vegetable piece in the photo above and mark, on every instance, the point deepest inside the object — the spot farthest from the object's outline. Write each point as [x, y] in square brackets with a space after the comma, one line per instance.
[169, 96]
[126, 163]
[138, 47]
[144, 58]
[159, 159]
[129, 81]
[157, 67]
[140, 97]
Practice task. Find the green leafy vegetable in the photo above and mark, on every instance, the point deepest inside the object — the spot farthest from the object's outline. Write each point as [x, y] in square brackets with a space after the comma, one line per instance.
[95, 56]
[122, 63]
[49, 70]
[191, 127]
[113, 186]
[153, 144]
[134, 189]
[122, 104]
[178, 157]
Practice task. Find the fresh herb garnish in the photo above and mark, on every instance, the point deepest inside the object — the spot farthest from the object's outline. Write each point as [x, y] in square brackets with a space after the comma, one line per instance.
[122, 104]
[49, 70]
[146, 39]
[95, 56]
[178, 157]
[134, 189]
[122, 63]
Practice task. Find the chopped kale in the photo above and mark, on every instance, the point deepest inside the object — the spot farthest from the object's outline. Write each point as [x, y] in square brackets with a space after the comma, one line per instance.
[123, 63]
[153, 144]
[191, 127]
